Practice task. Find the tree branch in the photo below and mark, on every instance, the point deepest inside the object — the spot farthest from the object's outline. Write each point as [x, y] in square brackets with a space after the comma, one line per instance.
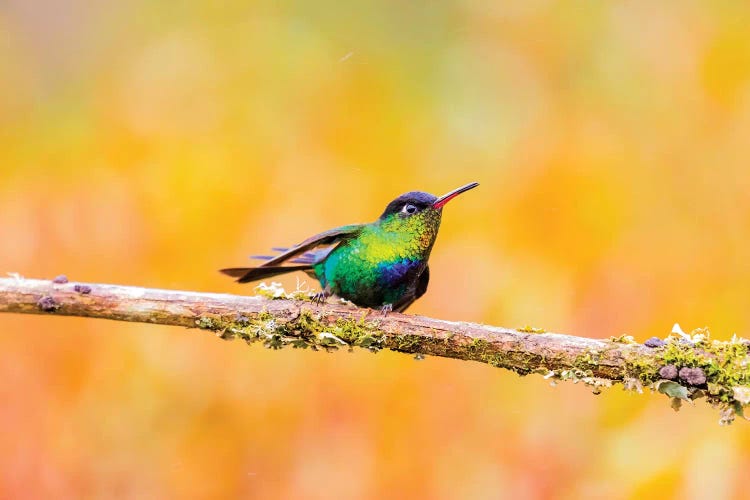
[683, 367]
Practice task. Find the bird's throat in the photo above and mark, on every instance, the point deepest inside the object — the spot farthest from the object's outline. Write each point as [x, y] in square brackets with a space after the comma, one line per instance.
[411, 237]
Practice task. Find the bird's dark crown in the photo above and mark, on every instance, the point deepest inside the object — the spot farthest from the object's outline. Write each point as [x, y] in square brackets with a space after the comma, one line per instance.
[419, 199]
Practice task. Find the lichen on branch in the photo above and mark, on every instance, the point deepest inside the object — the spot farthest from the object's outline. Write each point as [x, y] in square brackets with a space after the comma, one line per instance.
[681, 366]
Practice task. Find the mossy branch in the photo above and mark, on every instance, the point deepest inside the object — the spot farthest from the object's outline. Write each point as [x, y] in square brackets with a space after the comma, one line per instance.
[684, 367]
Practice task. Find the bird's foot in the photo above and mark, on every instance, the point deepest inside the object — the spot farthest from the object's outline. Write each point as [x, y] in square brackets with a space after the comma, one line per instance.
[320, 298]
[386, 308]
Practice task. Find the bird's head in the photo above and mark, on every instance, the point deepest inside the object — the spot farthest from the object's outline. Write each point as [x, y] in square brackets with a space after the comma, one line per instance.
[418, 212]
[414, 203]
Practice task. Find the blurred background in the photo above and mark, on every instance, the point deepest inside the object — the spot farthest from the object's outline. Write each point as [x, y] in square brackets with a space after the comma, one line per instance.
[152, 143]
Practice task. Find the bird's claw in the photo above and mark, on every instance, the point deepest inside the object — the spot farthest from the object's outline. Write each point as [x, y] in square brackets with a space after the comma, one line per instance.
[319, 298]
[385, 309]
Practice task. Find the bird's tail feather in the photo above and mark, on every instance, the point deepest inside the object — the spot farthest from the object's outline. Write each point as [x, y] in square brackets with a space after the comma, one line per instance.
[306, 258]
[312, 257]
[247, 274]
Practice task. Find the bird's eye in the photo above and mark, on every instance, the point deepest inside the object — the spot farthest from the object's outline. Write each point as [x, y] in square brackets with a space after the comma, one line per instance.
[409, 209]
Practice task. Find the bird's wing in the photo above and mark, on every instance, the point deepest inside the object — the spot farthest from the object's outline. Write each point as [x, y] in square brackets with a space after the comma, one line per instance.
[419, 290]
[313, 256]
[325, 238]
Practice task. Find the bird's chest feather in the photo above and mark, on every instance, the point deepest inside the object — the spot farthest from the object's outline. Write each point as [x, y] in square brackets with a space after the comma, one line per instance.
[373, 270]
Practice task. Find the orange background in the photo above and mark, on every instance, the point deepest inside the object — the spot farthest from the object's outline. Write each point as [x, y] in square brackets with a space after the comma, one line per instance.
[151, 143]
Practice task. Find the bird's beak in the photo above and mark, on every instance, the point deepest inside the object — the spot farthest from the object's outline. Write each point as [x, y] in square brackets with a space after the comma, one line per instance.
[449, 196]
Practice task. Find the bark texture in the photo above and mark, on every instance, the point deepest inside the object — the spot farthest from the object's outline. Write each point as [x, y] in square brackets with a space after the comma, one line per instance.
[718, 370]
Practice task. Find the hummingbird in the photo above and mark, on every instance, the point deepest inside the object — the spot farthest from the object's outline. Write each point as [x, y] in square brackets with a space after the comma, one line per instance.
[380, 265]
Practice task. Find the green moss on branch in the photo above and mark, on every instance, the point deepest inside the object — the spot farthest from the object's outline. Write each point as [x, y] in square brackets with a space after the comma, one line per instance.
[682, 367]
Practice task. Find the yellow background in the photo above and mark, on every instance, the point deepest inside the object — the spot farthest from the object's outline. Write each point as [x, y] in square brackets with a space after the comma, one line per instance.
[151, 143]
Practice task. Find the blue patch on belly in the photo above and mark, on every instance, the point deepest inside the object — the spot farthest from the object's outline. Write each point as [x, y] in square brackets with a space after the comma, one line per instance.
[398, 272]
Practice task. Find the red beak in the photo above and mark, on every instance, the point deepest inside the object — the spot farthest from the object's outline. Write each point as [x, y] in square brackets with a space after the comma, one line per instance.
[449, 196]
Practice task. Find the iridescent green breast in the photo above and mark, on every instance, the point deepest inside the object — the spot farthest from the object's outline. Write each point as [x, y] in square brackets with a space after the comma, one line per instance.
[382, 264]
